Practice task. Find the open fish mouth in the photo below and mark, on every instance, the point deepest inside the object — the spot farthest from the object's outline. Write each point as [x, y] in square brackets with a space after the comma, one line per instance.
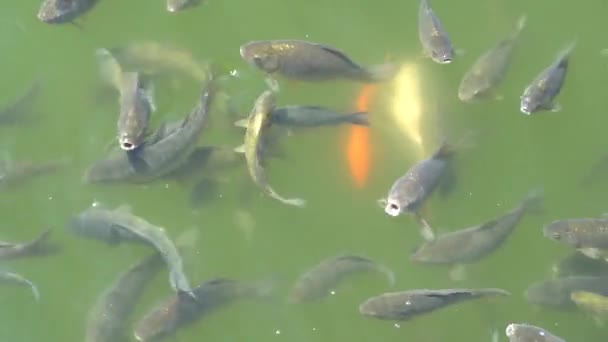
[127, 145]
[392, 209]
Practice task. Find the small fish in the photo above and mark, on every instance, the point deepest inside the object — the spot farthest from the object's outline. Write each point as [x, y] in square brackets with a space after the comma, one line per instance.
[135, 107]
[588, 235]
[540, 94]
[14, 278]
[577, 264]
[15, 111]
[593, 303]
[312, 116]
[13, 250]
[107, 321]
[13, 174]
[472, 244]
[521, 332]
[179, 5]
[490, 68]
[319, 281]
[405, 305]
[180, 310]
[555, 293]
[63, 11]
[120, 225]
[257, 125]
[309, 61]
[434, 39]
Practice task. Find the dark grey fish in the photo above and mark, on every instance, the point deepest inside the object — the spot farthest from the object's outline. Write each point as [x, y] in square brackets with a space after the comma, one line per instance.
[13, 174]
[13, 250]
[180, 310]
[108, 320]
[404, 305]
[521, 332]
[312, 116]
[164, 151]
[10, 278]
[135, 108]
[308, 61]
[472, 244]
[588, 235]
[15, 112]
[490, 68]
[120, 225]
[556, 292]
[210, 161]
[540, 94]
[434, 39]
[63, 11]
[180, 5]
[577, 264]
[319, 281]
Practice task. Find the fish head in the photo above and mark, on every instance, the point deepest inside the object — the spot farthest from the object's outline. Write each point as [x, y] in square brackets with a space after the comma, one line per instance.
[561, 231]
[525, 332]
[178, 5]
[527, 105]
[403, 197]
[261, 55]
[444, 54]
[128, 142]
[58, 11]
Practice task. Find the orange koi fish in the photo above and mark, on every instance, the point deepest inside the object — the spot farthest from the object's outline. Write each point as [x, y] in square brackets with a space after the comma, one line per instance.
[358, 152]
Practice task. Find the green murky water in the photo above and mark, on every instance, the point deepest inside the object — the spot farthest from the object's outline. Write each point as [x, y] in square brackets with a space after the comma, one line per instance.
[513, 154]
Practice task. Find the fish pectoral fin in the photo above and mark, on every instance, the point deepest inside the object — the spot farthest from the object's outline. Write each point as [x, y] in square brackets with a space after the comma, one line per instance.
[240, 149]
[150, 91]
[242, 123]
[382, 202]
[426, 231]
[458, 273]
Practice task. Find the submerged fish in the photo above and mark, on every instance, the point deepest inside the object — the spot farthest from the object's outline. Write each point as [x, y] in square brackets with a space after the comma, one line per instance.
[257, 125]
[15, 111]
[312, 116]
[16, 173]
[179, 5]
[180, 310]
[317, 283]
[434, 39]
[472, 244]
[556, 292]
[540, 94]
[120, 225]
[489, 69]
[577, 264]
[63, 11]
[588, 235]
[404, 305]
[309, 61]
[108, 320]
[593, 303]
[164, 151]
[521, 332]
[16, 279]
[12, 250]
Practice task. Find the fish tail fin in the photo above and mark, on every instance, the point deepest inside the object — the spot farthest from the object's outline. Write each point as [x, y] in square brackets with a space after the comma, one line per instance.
[40, 245]
[359, 118]
[389, 273]
[382, 72]
[533, 202]
[296, 202]
[520, 25]
[564, 55]
[109, 68]
[447, 149]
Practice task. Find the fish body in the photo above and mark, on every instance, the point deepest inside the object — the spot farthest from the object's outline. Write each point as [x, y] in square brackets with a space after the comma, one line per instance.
[521, 332]
[107, 321]
[164, 151]
[433, 37]
[180, 5]
[472, 244]
[488, 71]
[16, 279]
[404, 305]
[588, 235]
[577, 264]
[15, 111]
[135, 108]
[12, 250]
[258, 123]
[556, 292]
[540, 94]
[179, 310]
[313, 116]
[317, 283]
[120, 225]
[63, 11]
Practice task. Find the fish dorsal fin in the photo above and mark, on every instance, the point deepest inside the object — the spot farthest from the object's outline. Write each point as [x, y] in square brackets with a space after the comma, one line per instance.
[339, 54]
[124, 208]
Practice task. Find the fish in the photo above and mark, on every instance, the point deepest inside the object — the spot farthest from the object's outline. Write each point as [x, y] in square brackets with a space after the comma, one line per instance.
[540, 94]
[164, 151]
[471, 244]
[587, 235]
[14, 250]
[115, 226]
[14, 278]
[13, 174]
[432, 35]
[522, 332]
[309, 61]
[405, 305]
[258, 123]
[488, 71]
[107, 321]
[15, 111]
[63, 11]
[313, 116]
[180, 5]
[179, 310]
[555, 293]
[593, 303]
[358, 150]
[211, 161]
[319, 281]
[577, 264]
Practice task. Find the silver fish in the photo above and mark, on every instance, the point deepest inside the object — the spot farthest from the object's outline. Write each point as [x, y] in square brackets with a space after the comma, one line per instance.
[63, 11]
[521, 332]
[434, 39]
[588, 235]
[180, 5]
